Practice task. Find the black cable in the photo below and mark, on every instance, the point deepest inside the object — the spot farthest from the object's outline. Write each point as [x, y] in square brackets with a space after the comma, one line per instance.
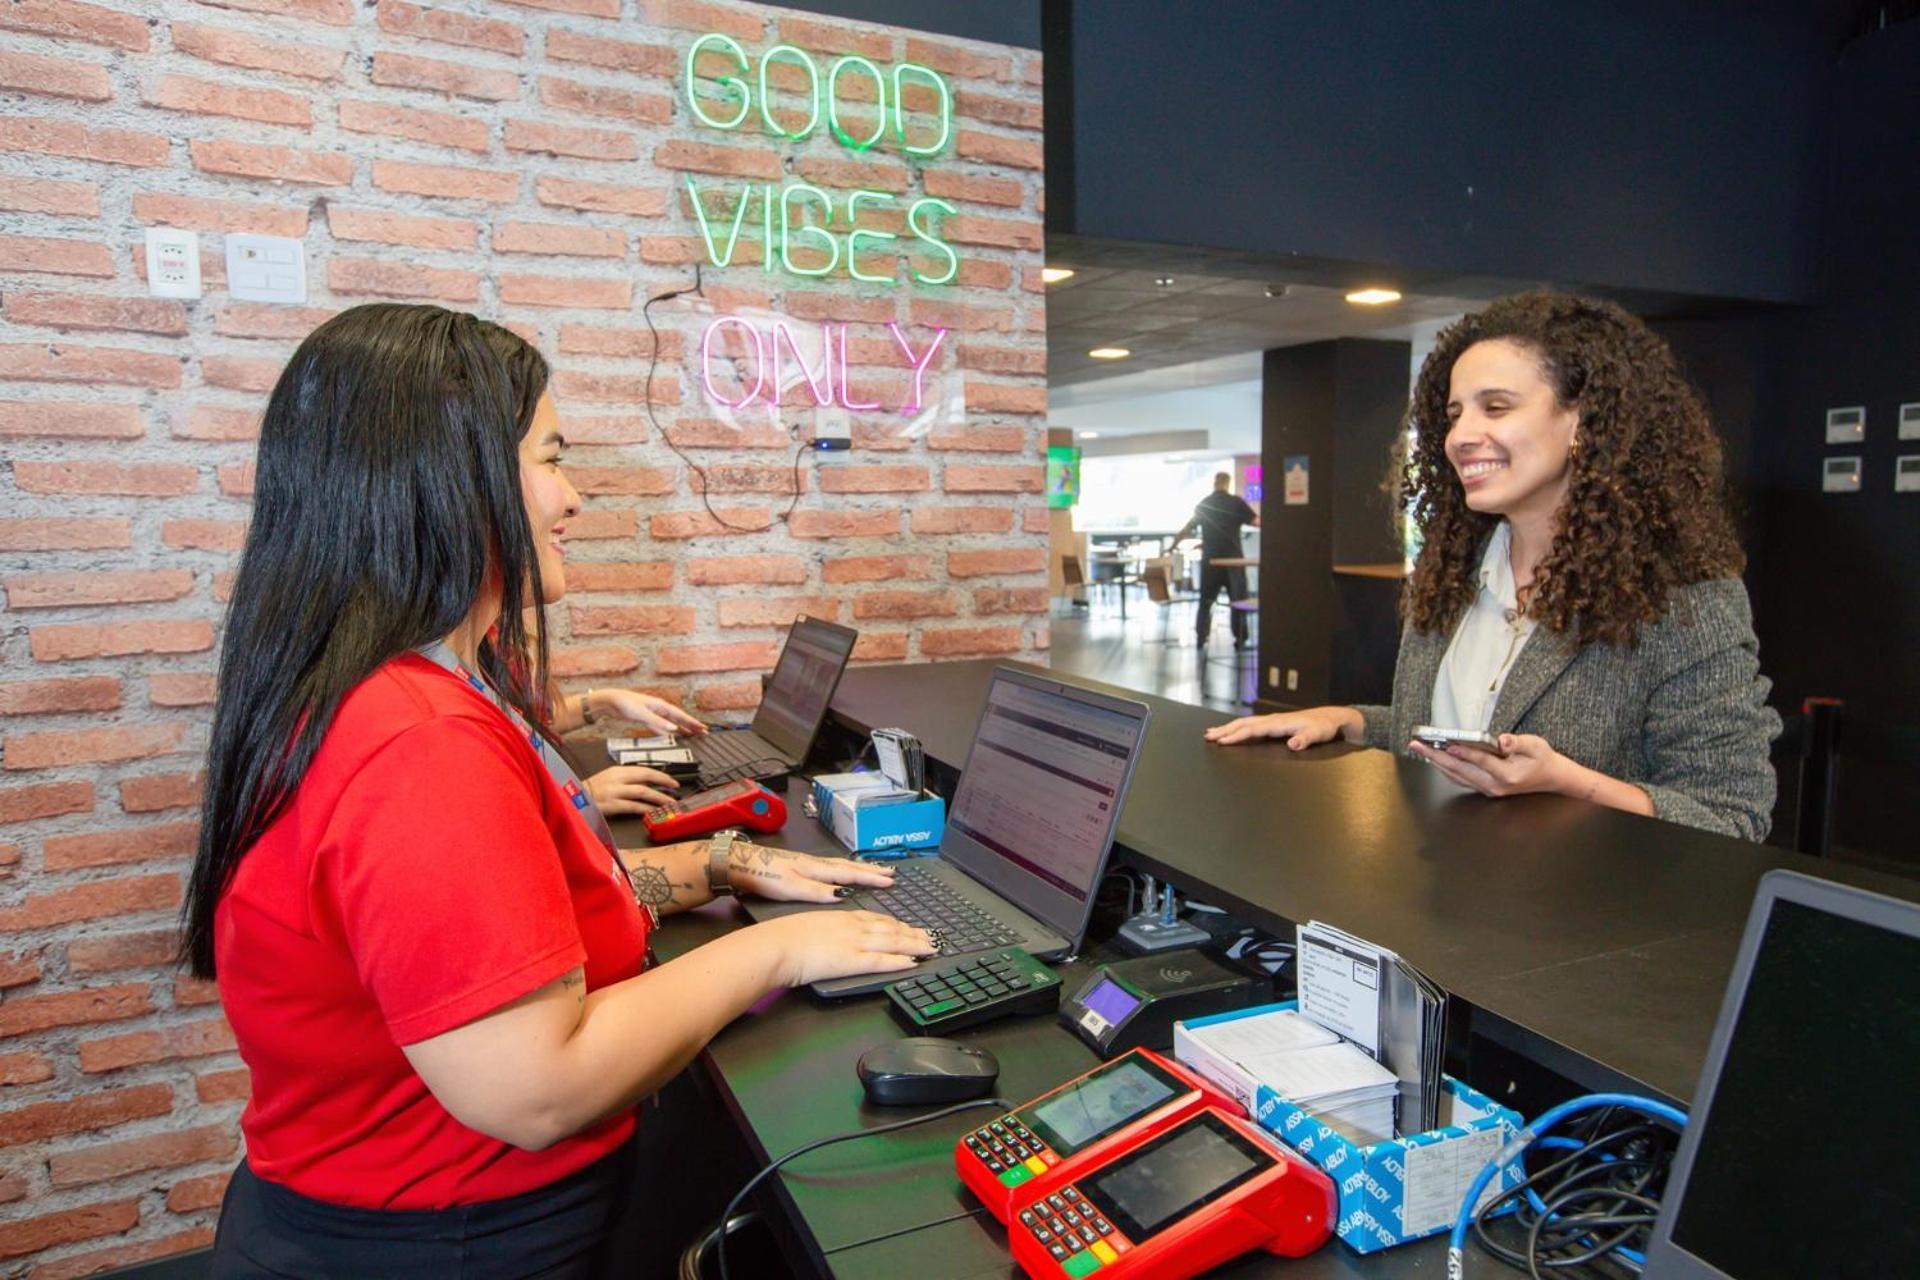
[726, 1214]
[903, 1231]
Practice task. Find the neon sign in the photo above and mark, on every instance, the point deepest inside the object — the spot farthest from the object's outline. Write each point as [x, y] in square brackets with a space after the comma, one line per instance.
[764, 353]
[741, 95]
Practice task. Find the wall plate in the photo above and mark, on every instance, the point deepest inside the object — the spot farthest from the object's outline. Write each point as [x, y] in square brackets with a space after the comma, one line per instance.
[173, 262]
[1906, 473]
[266, 269]
[1848, 425]
[1840, 475]
[1910, 421]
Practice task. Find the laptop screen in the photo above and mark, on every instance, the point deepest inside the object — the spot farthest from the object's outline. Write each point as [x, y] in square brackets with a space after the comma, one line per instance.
[802, 685]
[1805, 1161]
[1034, 815]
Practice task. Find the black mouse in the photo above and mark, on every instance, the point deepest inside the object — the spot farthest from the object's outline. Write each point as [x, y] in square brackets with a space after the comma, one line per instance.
[922, 1070]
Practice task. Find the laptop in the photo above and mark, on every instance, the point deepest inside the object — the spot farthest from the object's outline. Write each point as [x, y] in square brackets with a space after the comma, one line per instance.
[1799, 1157]
[1028, 833]
[790, 713]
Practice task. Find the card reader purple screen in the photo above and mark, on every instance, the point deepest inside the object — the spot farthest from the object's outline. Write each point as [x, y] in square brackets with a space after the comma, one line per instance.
[1111, 1001]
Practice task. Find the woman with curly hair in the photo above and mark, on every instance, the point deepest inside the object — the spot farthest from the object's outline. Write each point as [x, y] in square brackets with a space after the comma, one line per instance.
[1577, 594]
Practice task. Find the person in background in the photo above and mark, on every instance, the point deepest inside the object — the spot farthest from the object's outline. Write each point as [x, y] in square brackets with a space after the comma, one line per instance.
[1578, 591]
[1219, 518]
[435, 964]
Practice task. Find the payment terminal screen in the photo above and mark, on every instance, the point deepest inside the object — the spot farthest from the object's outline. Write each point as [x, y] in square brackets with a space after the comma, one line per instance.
[1111, 1001]
[1172, 1176]
[1104, 1101]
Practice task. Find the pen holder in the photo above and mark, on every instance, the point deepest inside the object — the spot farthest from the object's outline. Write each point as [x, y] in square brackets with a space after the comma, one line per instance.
[903, 826]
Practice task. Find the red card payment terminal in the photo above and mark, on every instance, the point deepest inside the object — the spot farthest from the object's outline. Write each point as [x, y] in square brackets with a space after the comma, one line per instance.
[1050, 1140]
[1164, 1207]
[736, 804]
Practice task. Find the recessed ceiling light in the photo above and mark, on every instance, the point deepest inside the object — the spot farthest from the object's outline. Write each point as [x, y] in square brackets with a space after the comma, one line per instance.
[1089, 435]
[1054, 275]
[1165, 282]
[1109, 353]
[1374, 297]
[1276, 291]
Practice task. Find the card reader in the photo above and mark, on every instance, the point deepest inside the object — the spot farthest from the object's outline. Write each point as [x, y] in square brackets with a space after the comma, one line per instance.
[1135, 1003]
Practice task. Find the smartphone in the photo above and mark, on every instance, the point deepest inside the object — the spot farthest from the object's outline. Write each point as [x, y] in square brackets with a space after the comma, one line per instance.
[1440, 739]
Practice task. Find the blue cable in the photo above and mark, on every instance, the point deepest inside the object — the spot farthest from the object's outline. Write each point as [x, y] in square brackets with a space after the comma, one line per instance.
[1457, 1241]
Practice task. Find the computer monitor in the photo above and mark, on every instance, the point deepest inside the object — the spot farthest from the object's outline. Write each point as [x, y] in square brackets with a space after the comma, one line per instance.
[1801, 1156]
[802, 685]
[1040, 795]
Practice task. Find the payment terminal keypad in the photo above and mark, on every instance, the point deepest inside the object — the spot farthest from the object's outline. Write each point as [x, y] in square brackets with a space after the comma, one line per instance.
[1075, 1234]
[966, 992]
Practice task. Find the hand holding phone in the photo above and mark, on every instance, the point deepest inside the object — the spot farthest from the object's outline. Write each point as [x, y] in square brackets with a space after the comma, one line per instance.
[1440, 739]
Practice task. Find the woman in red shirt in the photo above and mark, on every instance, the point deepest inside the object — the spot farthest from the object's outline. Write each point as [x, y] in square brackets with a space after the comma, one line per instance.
[433, 959]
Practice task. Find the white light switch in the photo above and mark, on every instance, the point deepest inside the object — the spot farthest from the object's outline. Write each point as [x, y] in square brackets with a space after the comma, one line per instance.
[1840, 475]
[1847, 426]
[1906, 473]
[266, 269]
[173, 263]
[1910, 421]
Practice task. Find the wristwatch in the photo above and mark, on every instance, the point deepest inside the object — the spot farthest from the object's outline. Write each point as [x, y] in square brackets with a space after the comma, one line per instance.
[719, 852]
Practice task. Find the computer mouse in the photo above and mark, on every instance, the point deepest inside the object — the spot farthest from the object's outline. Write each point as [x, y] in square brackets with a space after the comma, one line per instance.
[923, 1070]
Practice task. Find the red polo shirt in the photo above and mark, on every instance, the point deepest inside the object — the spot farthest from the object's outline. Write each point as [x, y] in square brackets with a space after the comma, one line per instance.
[428, 871]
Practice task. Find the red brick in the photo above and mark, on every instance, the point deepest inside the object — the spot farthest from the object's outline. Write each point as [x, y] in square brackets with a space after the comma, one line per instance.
[77, 141]
[1036, 520]
[190, 1195]
[92, 746]
[415, 230]
[46, 195]
[835, 37]
[216, 422]
[601, 100]
[875, 479]
[64, 533]
[987, 397]
[987, 478]
[223, 587]
[49, 256]
[570, 140]
[956, 641]
[880, 646]
[566, 291]
[593, 660]
[132, 480]
[560, 238]
[78, 693]
[335, 13]
[983, 273]
[89, 1222]
[54, 77]
[118, 586]
[211, 98]
[993, 233]
[25, 1068]
[1002, 359]
[993, 148]
[747, 477]
[9, 859]
[86, 420]
[189, 993]
[104, 953]
[195, 1039]
[263, 320]
[959, 316]
[495, 186]
[651, 575]
[401, 280]
[94, 1261]
[223, 1086]
[71, 20]
[114, 848]
[993, 439]
[616, 55]
[706, 433]
[959, 61]
[274, 164]
[975, 564]
[603, 524]
[17, 970]
[22, 1014]
[299, 58]
[710, 157]
[745, 655]
[632, 619]
[699, 524]
[844, 524]
[180, 688]
[905, 604]
[221, 216]
[67, 362]
[390, 120]
[636, 481]
[205, 535]
[950, 184]
[842, 174]
[157, 791]
[400, 70]
[674, 251]
[92, 311]
[447, 27]
[876, 568]
[600, 197]
[771, 611]
[589, 8]
[97, 640]
[703, 16]
[1011, 600]
[616, 388]
[236, 478]
[46, 800]
[726, 695]
[737, 570]
[241, 373]
[838, 306]
[155, 1151]
[988, 108]
[90, 901]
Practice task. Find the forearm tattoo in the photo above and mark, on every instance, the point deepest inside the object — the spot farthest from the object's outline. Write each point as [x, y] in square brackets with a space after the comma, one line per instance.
[654, 887]
[576, 982]
[754, 857]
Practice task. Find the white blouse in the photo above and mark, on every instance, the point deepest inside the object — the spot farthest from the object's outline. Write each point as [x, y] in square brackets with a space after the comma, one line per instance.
[1485, 644]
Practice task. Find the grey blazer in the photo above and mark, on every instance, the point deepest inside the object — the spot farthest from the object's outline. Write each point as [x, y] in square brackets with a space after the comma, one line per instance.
[1683, 715]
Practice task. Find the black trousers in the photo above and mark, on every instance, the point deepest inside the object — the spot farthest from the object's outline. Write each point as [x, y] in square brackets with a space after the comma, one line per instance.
[1212, 578]
[558, 1232]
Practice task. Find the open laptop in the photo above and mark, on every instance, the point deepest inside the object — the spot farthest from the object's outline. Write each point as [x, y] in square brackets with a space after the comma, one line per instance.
[791, 709]
[1799, 1156]
[1028, 834]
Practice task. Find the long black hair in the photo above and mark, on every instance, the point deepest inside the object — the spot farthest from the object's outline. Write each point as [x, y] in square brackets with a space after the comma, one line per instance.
[387, 497]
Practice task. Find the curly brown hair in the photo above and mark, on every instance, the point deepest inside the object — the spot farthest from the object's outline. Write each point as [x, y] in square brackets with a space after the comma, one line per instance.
[1647, 508]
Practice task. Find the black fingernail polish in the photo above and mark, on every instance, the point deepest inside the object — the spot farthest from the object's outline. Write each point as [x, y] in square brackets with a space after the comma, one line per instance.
[843, 892]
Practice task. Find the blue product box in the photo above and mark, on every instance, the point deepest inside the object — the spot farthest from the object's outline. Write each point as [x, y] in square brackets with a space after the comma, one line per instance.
[900, 826]
[1390, 1191]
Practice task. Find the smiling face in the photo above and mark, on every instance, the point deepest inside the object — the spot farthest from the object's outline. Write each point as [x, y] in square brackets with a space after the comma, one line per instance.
[549, 497]
[1509, 438]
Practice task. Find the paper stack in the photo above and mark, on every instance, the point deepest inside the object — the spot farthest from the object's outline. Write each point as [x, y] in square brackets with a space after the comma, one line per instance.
[1311, 1067]
[1383, 1004]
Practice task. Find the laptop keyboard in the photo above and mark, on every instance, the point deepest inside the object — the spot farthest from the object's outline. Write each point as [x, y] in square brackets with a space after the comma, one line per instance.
[919, 897]
[727, 749]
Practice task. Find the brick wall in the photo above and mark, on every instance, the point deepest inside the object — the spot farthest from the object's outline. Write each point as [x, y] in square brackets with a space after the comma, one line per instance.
[522, 160]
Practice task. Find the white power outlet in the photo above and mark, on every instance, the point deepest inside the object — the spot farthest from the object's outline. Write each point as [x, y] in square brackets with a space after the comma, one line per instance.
[1293, 679]
[173, 263]
[1273, 675]
[266, 269]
